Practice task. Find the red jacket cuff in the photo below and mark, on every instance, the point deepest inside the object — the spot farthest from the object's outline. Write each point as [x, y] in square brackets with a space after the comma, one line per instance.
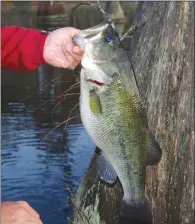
[41, 44]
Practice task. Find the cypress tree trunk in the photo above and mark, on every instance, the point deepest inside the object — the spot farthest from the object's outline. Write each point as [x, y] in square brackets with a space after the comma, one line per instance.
[162, 54]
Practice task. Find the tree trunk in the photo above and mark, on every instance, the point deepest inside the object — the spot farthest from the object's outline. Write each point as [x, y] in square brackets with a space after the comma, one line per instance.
[162, 54]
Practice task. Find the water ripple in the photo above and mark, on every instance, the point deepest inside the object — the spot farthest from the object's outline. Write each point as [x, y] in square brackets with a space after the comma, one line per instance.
[36, 169]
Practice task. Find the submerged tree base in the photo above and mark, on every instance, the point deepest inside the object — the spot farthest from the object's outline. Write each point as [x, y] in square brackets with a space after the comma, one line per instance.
[96, 201]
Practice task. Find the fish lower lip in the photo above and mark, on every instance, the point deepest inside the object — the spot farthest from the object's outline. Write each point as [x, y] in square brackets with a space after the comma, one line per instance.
[96, 82]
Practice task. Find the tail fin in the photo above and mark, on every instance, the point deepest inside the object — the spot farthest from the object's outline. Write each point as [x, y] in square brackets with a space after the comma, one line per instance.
[135, 214]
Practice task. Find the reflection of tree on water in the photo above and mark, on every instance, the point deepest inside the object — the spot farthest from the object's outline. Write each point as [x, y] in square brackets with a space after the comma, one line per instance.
[52, 106]
[48, 165]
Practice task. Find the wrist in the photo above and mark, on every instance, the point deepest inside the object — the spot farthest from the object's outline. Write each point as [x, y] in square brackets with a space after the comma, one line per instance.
[41, 47]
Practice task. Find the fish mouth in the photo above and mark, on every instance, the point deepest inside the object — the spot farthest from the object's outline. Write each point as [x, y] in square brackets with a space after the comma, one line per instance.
[88, 35]
[94, 77]
[96, 82]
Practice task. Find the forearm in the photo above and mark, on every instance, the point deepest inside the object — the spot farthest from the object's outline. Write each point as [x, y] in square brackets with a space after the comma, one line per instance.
[22, 49]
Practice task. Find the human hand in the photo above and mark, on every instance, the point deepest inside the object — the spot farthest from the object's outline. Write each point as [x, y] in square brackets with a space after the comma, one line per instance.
[60, 50]
[18, 212]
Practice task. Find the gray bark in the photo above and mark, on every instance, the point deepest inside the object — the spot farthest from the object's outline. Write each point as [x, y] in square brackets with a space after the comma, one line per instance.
[162, 56]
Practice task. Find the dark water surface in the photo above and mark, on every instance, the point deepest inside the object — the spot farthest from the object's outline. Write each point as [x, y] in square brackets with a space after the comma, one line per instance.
[37, 167]
[34, 169]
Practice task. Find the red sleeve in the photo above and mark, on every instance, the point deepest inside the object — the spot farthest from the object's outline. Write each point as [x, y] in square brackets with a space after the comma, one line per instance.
[21, 49]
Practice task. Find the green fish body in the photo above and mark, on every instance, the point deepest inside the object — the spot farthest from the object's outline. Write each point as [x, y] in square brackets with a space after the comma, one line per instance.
[113, 115]
[115, 131]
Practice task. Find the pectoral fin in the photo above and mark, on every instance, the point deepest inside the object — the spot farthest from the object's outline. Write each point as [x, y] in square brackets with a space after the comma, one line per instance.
[154, 151]
[106, 171]
[94, 103]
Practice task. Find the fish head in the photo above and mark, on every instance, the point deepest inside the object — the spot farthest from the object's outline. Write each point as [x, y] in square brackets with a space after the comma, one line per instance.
[101, 61]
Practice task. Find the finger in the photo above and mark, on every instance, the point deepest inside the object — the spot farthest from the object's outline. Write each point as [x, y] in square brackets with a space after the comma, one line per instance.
[76, 58]
[70, 58]
[29, 219]
[21, 215]
[72, 61]
[73, 31]
[56, 57]
[77, 50]
[31, 222]
[73, 65]
[28, 208]
[68, 46]
[7, 221]
[68, 51]
[27, 216]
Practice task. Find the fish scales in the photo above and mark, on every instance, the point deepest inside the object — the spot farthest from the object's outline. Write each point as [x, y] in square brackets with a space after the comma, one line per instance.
[123, 110]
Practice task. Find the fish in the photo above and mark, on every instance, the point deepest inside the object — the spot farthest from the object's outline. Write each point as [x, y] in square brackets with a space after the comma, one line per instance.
[115, 118]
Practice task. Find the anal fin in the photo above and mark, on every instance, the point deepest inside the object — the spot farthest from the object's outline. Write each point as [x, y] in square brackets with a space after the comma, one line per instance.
[105, 169]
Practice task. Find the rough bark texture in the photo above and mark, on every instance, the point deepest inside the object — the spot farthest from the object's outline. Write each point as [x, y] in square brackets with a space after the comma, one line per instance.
[162, 54]
[97, 202]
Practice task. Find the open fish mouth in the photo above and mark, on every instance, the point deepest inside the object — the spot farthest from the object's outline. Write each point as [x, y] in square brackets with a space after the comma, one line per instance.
[96, 82]
[97, 76]
[94, 77]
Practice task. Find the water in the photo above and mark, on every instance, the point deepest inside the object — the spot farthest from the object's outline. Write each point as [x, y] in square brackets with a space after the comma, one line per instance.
[38, 163]
[36, 170]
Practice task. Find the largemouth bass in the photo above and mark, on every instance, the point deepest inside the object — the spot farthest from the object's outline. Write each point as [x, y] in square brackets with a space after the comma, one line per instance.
[115, 118]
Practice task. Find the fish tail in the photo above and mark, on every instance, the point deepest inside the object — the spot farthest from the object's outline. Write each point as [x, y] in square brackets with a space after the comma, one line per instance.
[135, 214]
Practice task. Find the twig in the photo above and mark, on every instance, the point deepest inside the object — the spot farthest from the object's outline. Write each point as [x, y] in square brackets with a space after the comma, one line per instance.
[132, 29]
[72, 198]
[98, 5]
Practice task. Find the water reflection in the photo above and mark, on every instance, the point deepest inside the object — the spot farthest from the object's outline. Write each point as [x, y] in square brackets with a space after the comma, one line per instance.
[33, 168]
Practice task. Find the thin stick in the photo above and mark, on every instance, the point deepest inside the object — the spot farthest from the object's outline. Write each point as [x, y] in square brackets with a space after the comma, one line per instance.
[62, 82]
[104, 13]
[98, 5]
[71, 87]
[58, 126]
[73, 200]
[34, 92]
[132, 29]
[70, 114]
[70, 94]
[67, 122]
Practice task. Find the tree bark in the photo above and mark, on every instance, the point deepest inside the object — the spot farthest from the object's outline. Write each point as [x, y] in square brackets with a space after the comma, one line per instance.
[162, 54]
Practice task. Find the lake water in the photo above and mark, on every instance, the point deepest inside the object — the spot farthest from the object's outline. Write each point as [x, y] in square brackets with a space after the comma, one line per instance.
[35, 169]
[39, 163]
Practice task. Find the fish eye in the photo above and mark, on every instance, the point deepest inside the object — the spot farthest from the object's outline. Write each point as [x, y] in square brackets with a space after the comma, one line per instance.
[108, 38]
